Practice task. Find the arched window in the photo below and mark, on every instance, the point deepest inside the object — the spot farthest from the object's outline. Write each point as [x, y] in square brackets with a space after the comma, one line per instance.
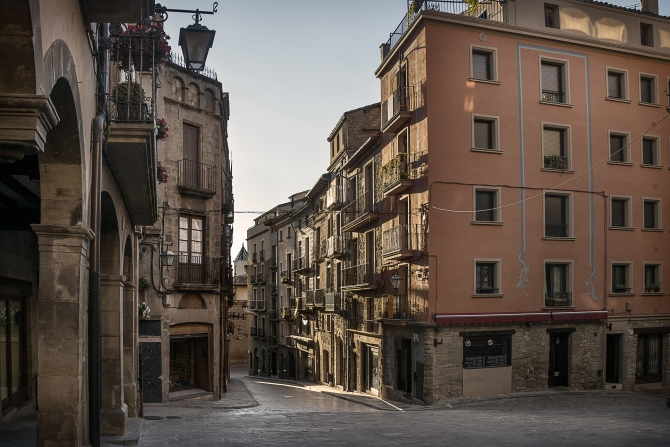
[193, 95]
[177, 92]
[210, 102]
[192, 301]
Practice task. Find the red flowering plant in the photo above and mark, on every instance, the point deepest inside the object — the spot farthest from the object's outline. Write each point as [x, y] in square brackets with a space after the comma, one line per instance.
[162, 133]
[162, 173]
[134, 45]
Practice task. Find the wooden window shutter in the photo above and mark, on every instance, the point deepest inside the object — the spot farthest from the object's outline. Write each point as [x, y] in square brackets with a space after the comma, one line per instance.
[484, 134]
[481, 65]
[614, 89]
[551, 77]
[553, 141]
[190, 142]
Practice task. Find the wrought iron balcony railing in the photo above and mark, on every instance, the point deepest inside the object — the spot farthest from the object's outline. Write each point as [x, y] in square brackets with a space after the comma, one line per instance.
[195, 176]
[401, 100]
[272, 289]
[357, 211]
[198, 270]
[558, 299]
[554, 161]
[309, 299]
[495, 10]
[358, 275]
[319, 298]
[553, 96]
[260, 304]
[260, 278]
[252, 305]
[274, 315]
[334, 196]
[261, 256]
[271, 263]
[398, 308]
[333, 301]
[401, 240]
[301, 265]
[254, 257]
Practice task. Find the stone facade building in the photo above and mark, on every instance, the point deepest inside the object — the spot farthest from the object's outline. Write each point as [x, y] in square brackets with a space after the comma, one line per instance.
[237, 313]
[516, 204]
[184, 338]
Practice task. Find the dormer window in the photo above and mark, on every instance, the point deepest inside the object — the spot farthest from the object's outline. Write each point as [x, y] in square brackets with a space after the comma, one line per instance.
[551, 16]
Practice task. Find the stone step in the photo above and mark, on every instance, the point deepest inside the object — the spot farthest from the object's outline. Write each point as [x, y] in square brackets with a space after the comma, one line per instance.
[132, 436]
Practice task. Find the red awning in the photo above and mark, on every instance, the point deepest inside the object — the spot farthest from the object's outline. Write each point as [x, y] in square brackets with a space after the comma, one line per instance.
[520, 317]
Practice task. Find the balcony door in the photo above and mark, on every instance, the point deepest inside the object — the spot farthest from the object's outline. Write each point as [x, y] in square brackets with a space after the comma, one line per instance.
[191, 261]
[190, 168]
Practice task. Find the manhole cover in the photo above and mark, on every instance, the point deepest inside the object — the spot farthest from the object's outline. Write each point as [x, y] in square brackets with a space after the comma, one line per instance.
[153, 418]
[173, 417]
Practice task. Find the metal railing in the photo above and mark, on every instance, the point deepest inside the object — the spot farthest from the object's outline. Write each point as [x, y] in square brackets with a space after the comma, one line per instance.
[301, 263]
[260, 304]
[486, 291]
[401, 308]
[260, 278]
[552, 96]
[358, 275]
[254, 257]
[271, 263]
[360, 207]
[554, 161]
[557, 299]
[272, 340]
[208, 72]
[495, 10]
[334, 196]
[198, 270]
[335, 246]
[333, 301]
[309, 299]
[196, 175]
[272, 289]
[252, 304]
[261, 255]
[260, 332]
[395, 170]
[401, 100]
[401, 237]
[556, 230]
[274, 315]
[319, 298]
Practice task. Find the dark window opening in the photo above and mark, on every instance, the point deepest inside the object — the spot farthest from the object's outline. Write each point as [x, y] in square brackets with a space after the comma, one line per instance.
[486, 278]
[615, 85]
[556, 216]
[486, 352]
[619, 212]
[618, 150]
[620, 282]
[482, 65]
[484, 132]
[649, 358]
[486, 203]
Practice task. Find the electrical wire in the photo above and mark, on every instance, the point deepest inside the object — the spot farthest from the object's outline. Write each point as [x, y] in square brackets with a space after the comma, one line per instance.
[561, 184]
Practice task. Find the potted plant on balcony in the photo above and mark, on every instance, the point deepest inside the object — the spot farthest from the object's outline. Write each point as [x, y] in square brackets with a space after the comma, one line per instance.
[161, 172]
[652, 288]
[161, 129]
[486, 290]
[129, 99]
[143, 284]
[136, 44]
[621, 288]
[557, 161]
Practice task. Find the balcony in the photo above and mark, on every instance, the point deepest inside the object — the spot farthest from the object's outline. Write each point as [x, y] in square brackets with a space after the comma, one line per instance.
[558, 299]
[261, 256]
[260, 333]
[196, 179]
[359, 277]
[319, 298]
[252, 305]
[260, 278]
[397, 109]
[309, 300]
[274, 316]
[272, 340]
[334, 197]
[301, 265]
[401, 241]
[395, 176]
[359, 213]
[486, 10]
[197, 272]
[272, 289]
[333, 302]
[260, 305]
[552, 96]
[332, 247]
[555, 161]
[253, 331]
[285, 277]
[271, 263]
[398, 308]
[254, 257]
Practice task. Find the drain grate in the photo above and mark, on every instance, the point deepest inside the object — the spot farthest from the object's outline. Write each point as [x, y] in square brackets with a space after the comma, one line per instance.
[153, 418]
[173, 417]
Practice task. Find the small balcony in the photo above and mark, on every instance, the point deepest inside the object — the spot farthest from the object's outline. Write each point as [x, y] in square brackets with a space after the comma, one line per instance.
[555, 161]
[309, 300]
[253, 331]
[260, 278]
[272, 289]
[260, 305]
[397, 308]
[359, 213]
[319, 298]
[273, 315]
[252, 305]
[285, 277]
[301, 265]
[332, 247]
[260, 333]
[254, 257]
[359, 277]
[553, 96]
[197, 272]
[333, 302]
[334, 197]
[271, 263]
[272, 340]
[261, 256]
[196, 178]
[396, 176]
[401, 241]
[397, 109]
[558, 299]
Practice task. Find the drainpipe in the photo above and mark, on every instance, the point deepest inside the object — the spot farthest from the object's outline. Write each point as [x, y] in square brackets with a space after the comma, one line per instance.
[94, 338]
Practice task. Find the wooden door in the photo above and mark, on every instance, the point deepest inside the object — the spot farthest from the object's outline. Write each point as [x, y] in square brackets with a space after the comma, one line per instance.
[202, 363]
[559, 359]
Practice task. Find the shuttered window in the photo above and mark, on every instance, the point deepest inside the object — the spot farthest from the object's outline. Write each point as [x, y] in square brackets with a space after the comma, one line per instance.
[556, 215]
[481, 65]
[649, 152]
[619, 213]
[485, 204]
[190, 143]
[614, 85]
[617, 153]
[646, 35]
[647, 90]
[650, 212]
[554, 141]
[484, 134]
[551, 77]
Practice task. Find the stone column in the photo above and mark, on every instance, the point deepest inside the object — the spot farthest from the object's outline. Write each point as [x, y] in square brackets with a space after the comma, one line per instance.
[61, 335]
[114, 413]
[130, 349]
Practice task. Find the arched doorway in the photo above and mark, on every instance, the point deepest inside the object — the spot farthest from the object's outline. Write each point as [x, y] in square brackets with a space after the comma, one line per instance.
[130, 331]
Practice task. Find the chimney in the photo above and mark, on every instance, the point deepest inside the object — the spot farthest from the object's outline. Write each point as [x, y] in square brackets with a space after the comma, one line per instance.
[649, 6]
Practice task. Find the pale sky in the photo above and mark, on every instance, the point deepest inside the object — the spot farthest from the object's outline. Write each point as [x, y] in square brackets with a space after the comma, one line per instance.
[292, 67]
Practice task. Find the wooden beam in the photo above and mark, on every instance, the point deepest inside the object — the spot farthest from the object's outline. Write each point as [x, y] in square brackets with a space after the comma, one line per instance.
[7, 200]
[16, 186]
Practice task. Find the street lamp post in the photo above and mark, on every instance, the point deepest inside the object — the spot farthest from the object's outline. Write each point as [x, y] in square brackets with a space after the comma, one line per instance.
[395, 285]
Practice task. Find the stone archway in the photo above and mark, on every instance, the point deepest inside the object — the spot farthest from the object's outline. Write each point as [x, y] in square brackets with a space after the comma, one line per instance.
[130, 331]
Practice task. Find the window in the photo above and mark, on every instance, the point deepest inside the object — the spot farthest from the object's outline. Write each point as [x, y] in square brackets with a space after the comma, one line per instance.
[551, 16]
[648, 89]
[646, 35]
[649, 358]
[487, 352]
[554, 146]
[486, 205]
[553, 82]
[483, 64]
[619, 148]
[556, 219]
[652, 278]
[652, 215]
[486, 277]
[621, 281]
[650, 153]
[190, 268]
[616, 85]
[557, 285]
[485, 133]
[620, 217]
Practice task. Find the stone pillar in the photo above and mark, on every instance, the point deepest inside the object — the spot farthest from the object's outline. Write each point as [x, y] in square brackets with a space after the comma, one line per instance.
[114, 413]
[61, 335]
[130, 349]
